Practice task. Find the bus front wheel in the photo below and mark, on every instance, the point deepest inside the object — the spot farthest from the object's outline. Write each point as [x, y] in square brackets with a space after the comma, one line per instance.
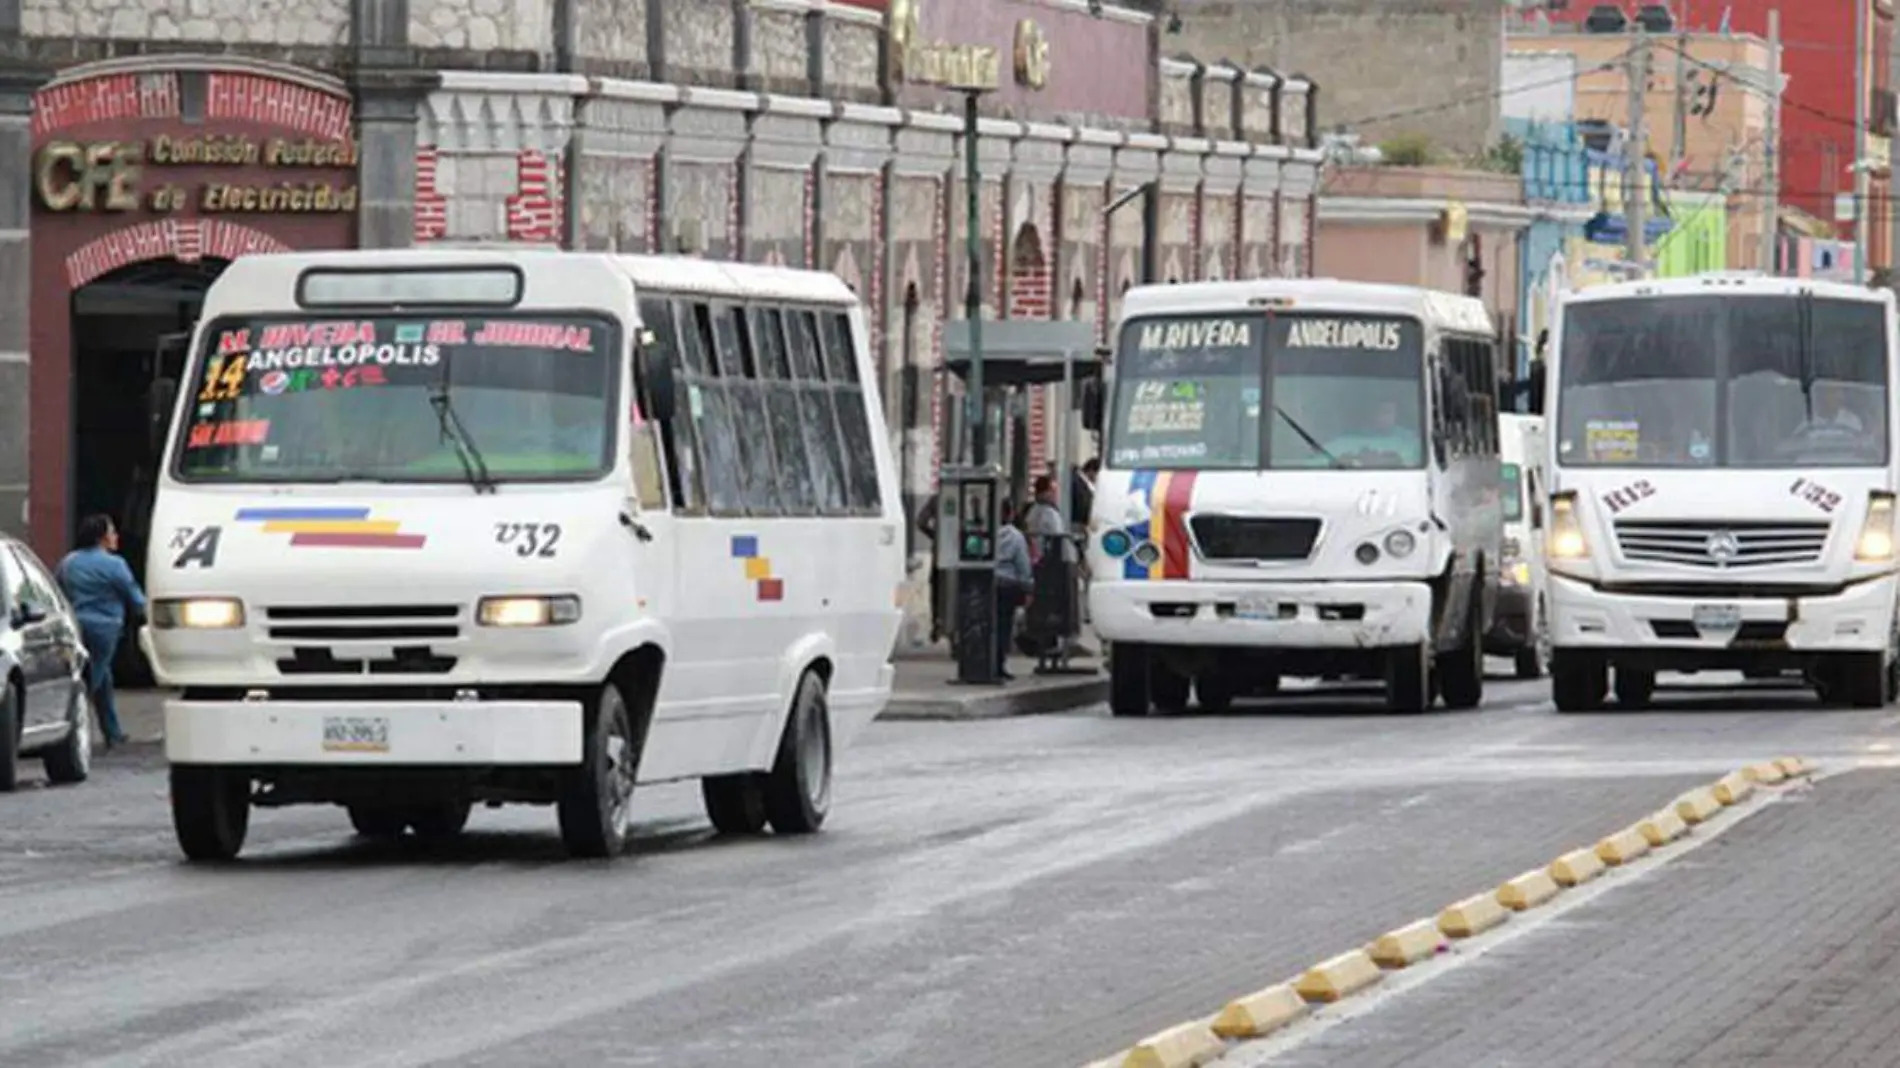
[1578, 681]
[211, 811]
[1128, 680]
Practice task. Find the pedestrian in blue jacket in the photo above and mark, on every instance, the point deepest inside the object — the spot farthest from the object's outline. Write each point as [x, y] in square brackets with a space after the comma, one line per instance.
[103, 591]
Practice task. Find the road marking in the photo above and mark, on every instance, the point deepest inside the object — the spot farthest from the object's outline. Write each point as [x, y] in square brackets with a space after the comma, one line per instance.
[1255, 1054]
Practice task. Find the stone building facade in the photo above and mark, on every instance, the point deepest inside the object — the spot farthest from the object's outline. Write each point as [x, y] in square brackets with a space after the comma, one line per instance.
[802, 132]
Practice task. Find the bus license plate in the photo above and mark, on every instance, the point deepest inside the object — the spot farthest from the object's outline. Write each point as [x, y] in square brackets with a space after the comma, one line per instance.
[1718, 617]
[1257, 608]
[356, 734]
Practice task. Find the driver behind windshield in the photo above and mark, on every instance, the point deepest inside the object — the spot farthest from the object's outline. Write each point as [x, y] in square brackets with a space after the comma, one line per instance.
[1831, 410]
[1389, 433]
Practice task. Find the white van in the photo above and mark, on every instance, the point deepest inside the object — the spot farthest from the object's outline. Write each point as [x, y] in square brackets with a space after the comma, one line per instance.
[1517, 627]
[1300, 479]
[1723, 458]
[447, 527]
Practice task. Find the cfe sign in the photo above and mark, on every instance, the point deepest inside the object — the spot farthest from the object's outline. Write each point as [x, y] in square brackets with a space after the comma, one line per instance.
[110, 176]
[102, 176]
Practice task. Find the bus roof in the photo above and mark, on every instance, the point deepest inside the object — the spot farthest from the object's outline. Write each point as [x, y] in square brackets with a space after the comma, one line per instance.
[1446, 311]
[553, 278]
[1729, 283]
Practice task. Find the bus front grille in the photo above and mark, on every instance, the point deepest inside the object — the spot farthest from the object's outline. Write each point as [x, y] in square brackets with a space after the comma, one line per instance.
[1236, 537]
[1707, 544]
[371, 623]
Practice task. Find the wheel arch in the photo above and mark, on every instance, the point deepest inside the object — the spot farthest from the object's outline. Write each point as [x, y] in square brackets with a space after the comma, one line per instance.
[638, 675]
[815, 652]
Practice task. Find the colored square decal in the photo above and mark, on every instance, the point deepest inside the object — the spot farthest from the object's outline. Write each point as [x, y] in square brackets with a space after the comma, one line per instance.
[410, 334]
[745, 545]
[771, 589]
[758, 567]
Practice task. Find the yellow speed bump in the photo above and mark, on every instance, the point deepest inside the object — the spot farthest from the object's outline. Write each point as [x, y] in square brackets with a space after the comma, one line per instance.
[1766, 773]
[1662, 828]
[1528, 890]
[1260, 1013]
[1345, 974]
[1474, 915]
[1697, 805]
[1187, 1045]
[1623, 846]
[1576, 867]
[1794, 767]
[1406, 946]
[1733, 787]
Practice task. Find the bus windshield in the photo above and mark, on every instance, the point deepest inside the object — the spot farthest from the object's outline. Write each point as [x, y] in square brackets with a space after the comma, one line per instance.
[1336, 391]
[331, 399]
[1740, 381]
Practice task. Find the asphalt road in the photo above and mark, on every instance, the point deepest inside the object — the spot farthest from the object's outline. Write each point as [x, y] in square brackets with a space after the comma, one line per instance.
[1020, 894]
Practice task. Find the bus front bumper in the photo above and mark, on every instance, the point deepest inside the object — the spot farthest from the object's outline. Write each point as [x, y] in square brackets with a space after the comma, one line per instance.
[1858, 618]
[1266, 615]
[392, 733]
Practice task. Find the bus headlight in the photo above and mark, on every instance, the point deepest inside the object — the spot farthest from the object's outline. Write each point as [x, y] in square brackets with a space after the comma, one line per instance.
[1400, 543]
[527, 611]
[198, 613]
[1566, 532]
[1875, 545]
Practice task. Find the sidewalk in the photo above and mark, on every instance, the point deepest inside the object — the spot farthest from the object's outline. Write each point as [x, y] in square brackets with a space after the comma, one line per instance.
[926, 688]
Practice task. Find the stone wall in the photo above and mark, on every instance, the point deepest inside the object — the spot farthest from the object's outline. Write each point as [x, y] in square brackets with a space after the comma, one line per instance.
[1432, 65]
[873, 194]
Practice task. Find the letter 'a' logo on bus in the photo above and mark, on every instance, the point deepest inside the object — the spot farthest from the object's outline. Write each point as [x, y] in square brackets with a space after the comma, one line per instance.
[198, 548]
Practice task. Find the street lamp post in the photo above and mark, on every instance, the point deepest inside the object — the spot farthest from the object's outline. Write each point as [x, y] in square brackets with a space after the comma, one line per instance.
[976, 406]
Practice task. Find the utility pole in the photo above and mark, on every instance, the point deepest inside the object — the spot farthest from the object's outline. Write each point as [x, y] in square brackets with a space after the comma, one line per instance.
[1676, 143]
[1860, 141]
[1771, 151]
[1636, 156]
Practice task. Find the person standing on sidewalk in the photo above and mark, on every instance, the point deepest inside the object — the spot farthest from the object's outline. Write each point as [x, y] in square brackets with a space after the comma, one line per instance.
[103, 592]
[1015, 578]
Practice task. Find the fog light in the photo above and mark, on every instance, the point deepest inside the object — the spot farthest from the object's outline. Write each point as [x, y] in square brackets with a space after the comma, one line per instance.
[1116, 543]
[1400, 543]
[1366, 553]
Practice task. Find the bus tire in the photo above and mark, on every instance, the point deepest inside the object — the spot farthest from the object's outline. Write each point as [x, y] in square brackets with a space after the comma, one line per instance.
[439, 821]
[734, 803]
[797, 791]
[1128, 680]
[596, 801]
[1862, 680]
[1214, 693]
[1461, 671]
[1578, 681]
[1635, 687]
[1408, 679]
[381, 822]
[211, 811]
[1167, 688]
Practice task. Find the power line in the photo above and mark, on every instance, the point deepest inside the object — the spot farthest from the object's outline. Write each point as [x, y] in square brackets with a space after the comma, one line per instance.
[1483, 96]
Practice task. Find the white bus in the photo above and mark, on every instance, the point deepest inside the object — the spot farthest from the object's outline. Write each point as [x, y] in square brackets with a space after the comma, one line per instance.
[1517, 628]
[1723, 471]
[438, 528]
[1300, 479]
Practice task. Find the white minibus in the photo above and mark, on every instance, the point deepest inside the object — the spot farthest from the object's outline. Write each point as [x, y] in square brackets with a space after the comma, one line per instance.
[453, 527]
[1723, 466]
[1300, 479]
[1517, 628]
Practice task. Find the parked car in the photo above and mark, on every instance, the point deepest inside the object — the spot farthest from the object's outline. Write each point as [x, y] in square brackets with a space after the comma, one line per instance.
[45, 710]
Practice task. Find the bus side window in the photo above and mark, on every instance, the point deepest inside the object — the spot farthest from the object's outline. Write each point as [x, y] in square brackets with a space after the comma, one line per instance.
[1441, 423]
[854, 420]
[678, 439]
[710, 409]
[782, 411]
[739, 370]
[817, 410]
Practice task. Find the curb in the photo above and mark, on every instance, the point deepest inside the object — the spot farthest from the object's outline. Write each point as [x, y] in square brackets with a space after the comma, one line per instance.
[1261, 1014]
[1000, 702]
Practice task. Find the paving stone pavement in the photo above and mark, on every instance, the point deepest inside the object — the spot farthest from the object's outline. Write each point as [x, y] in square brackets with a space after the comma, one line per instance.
[1776, 944]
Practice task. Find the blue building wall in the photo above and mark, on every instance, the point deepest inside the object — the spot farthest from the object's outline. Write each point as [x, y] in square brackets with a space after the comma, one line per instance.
[1556, 171]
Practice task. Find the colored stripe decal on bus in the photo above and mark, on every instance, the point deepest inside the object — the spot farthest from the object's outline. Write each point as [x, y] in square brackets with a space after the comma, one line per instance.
[1143, 483]
[1176, 497]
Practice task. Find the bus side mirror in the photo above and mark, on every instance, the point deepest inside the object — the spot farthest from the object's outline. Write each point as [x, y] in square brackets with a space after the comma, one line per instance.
[158, 415]
[1536, 386]
[653, 375]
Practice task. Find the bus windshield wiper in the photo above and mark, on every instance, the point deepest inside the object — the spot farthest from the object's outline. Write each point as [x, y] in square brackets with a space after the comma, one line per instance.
[1805, 318]
[457, 435]
[1311, 441]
